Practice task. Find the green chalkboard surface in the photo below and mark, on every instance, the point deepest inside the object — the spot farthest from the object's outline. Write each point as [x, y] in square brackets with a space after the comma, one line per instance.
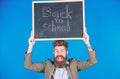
[58, 20]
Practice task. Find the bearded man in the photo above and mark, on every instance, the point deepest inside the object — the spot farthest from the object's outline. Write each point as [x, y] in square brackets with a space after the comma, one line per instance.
[60, 68]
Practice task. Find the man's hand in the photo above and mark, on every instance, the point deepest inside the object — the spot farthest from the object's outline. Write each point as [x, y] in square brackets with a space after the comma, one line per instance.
[31, 42]
[86, 39]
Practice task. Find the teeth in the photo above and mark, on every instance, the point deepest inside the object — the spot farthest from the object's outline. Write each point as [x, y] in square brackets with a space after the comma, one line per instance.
[59, 58]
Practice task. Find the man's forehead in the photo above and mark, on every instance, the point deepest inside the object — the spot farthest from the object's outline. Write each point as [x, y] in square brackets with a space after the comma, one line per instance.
[59, 47]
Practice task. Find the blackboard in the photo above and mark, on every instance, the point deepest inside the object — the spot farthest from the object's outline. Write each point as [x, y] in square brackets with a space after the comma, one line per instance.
[58, 19]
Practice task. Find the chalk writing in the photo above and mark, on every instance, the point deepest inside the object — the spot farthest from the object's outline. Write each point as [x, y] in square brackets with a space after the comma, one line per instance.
[60, 21]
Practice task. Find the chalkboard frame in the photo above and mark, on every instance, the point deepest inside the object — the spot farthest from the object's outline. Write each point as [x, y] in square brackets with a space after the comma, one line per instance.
[75, 38]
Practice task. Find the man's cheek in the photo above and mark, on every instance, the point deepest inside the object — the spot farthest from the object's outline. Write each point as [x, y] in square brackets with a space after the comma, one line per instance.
[55, 55]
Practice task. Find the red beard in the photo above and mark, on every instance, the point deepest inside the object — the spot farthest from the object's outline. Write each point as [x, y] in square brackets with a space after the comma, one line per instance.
[60, 64]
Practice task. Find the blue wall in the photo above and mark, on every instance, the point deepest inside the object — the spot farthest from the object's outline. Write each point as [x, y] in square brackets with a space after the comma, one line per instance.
[103, 24]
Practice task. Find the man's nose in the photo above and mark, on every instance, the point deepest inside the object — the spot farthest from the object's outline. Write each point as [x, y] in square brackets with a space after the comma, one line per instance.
[59, 53]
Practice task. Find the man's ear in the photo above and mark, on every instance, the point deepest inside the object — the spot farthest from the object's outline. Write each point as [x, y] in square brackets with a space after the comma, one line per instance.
[67, 52]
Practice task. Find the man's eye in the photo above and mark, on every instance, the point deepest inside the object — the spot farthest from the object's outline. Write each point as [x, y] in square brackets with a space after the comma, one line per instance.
[56, 51]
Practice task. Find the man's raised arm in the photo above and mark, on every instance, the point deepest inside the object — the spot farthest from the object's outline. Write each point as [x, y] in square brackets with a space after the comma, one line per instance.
[38, 67]
[92, 54]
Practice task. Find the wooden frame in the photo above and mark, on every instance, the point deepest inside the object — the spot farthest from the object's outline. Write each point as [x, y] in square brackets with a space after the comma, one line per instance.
[33, 29]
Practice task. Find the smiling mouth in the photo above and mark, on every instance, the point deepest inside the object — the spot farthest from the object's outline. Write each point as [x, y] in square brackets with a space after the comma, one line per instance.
[59, 58]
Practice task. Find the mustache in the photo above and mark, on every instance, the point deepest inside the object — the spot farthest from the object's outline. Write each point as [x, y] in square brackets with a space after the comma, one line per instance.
[59, 56]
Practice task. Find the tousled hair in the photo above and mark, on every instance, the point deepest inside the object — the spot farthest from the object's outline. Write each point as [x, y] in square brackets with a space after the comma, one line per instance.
[60, 43]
